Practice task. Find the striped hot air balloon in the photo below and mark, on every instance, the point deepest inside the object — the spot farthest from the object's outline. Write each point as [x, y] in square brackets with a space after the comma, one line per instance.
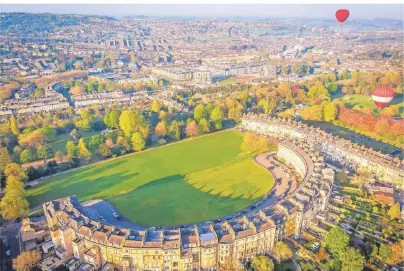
[382, 95]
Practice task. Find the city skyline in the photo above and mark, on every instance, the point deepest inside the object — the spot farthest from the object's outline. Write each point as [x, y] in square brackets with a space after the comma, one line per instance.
[315, 11]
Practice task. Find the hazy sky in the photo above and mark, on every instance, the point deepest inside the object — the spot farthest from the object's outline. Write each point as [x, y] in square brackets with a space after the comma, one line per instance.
[274, 10]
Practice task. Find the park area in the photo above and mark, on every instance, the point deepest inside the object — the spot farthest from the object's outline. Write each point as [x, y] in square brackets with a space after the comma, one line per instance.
[365, 101]
[187, 182]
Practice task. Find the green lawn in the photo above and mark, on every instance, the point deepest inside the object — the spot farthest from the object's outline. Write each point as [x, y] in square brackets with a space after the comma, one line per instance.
[228, 81]
[350, 100]
[192, 181]
[60, 142]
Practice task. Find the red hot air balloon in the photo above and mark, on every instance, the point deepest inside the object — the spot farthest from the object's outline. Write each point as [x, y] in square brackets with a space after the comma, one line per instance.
[382, 95]
[342, 15]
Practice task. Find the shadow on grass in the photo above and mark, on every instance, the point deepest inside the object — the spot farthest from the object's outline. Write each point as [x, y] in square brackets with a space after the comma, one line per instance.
[172, 201]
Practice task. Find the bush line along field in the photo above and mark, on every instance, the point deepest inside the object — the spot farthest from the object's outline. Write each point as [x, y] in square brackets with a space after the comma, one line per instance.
[188, 182]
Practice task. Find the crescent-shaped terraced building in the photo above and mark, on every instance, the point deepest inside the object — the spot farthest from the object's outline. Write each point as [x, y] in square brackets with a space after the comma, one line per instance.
[204, 246]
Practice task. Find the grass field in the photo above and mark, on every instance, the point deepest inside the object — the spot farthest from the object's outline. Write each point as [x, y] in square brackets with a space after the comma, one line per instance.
[59, 144]
[366, 101]
[228, 81]
[188, 182]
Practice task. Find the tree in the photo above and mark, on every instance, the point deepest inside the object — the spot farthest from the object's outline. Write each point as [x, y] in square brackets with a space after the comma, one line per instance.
[397, 255]
[131, 121]
[199, 112]
[59, 156]
[384, 252]
[235, 113]
[252, 143]
[14, 126]
[332, 87]
[341, 176]
[208, 109]
[330, 112]
[16, 171]
[335, 264]
[336, 240]
[321, 255]
[161, 129]
[204, 126]
[43, 152]
[27, 156]
[104, 150]
[26, 260]
[162, 115]
[192, 129]
[262, 263]
[77, 90]
[4, 158]
[217, 117]
[155, 106]
[394, 211]
[84, 153]
[16, 153]
[14, 204]
[138, 142]
[111, 119]
[124, 144]
[132, 57]
[374, 253]
[94, 143]
[318, 91]
[287, 114]
[75, 135]
[282, 251]
[351, 260]
[71, 150]
[175, 130]
[267, 104]
[14, 184]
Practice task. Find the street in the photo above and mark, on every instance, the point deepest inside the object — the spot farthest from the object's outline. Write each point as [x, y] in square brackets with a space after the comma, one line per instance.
[9, 235]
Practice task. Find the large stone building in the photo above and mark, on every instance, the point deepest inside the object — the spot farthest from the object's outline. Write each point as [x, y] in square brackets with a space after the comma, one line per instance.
[205, 246]
[334, 149]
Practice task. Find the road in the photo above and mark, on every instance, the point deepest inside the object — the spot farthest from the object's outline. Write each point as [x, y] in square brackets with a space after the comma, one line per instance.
[265, 160]
[10, 232]
[101, 210]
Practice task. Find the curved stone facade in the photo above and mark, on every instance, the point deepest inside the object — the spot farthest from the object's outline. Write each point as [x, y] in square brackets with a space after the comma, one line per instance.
[204, 246]
[347, 154]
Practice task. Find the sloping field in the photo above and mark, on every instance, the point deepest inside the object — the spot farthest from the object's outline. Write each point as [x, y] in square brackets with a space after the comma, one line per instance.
[187, 182]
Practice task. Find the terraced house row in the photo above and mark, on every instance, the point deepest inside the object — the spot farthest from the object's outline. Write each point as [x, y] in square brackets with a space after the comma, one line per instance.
[204, 246]
[334, 149]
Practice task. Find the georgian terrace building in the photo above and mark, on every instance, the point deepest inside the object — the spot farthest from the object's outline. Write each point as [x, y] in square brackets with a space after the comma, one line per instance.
[52, 101]
[106, 98]
[204, 246]
[334, 149]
